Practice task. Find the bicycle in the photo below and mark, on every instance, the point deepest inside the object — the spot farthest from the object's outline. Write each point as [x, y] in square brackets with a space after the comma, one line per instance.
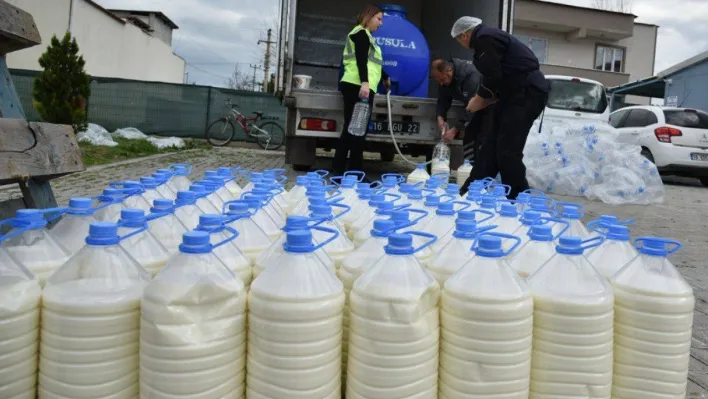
[269, 135]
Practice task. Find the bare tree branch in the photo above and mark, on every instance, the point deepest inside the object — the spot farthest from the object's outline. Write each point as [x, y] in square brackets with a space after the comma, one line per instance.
[624, 6]
[239, 80]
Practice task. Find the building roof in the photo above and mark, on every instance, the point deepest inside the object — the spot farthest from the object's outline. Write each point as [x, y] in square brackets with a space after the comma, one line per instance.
[158, 14]
[105, 11]
[583, 8]
[697, 59]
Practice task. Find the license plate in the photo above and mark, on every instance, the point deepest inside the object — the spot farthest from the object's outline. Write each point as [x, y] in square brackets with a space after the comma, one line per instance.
[379, 127]
[699, 157]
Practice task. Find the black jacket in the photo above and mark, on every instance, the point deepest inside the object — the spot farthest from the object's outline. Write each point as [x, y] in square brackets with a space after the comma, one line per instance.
[506, 64]
[464, 86]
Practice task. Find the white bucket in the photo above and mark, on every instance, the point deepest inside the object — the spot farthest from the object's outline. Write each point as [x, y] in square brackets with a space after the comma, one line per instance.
[301, 81]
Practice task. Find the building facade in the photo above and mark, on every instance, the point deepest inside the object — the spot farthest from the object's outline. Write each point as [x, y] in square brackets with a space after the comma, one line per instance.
[111, 46]
[606, 46]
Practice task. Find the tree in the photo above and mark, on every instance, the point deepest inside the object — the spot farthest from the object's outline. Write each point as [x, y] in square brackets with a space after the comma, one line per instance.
[624, 6]
[239, 80]
[62, 88]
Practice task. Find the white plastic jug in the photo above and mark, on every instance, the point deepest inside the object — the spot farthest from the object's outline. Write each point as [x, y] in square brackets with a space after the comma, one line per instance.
[358, 206]
[301, 208]
[186, 209]
[461, 215]
[340, 246]
[163, 176]
[528, 219]
[405, 222]
[297, 192]
[536, 251]
[490, 203]
[444, 219]
[151, 192]
[142, 246]
[222, 191]
[573, 325]
[252, 240]
[508, 221]
[419, 175]
[193, 327]
[231, 182]
[31, 245]
[606, 220]
[165, 225]
[280, 201]
[458, 250]
[486, 322]
[347, 185]
[71, 231]
[415, 198]
[110, 203]
[573, 214]
[253, 178]
[453, 190]
[369, 213]
[390, 182]
[228, 253]
[207, 200]
[384, 209]
[653, 321]
[544, 205]
[463, 172]
[523, 199]
[91, 321]
[134, 195]
[615, 252]
[20, 296]
[179, 181]
[295, 313]
[269, 204]
[430, 205]
[261, 216]
[394, 326]
[434, 185]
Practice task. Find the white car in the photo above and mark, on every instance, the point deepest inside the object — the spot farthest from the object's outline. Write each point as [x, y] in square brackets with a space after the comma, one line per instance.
[576, 99]
[675, 139]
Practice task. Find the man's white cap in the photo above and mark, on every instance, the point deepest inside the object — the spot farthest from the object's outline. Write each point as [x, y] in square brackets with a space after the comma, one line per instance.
[464, 24]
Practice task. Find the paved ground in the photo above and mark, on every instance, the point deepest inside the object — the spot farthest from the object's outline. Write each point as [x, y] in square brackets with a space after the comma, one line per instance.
[683, 216]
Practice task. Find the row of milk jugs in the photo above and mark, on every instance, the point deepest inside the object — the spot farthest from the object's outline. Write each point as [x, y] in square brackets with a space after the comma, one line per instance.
[393, 335]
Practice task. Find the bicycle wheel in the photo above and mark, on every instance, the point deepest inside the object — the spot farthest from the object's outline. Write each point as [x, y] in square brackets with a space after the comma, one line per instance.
[220, 132]
[275, 137]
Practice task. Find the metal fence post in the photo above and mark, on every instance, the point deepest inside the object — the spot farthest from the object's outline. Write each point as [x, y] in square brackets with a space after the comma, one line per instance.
[208, 110]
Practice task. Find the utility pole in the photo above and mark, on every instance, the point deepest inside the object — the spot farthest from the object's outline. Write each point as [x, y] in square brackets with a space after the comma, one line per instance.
[268, 42]
[255, 68]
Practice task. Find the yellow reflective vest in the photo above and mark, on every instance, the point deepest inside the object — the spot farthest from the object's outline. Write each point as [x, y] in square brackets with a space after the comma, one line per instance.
[375, 60]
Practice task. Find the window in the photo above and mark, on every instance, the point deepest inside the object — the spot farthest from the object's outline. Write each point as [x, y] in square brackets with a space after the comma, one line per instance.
[687, 118]
[576, 95]
[638, 118]
[537, 45]
[610, 59]
[617, 118]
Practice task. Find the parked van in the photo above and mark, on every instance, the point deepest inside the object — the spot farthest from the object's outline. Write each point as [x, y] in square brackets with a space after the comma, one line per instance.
[576, 98]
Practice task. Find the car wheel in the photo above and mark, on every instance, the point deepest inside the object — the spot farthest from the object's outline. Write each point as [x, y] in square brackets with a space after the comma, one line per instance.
[647, 154]
[704, 181]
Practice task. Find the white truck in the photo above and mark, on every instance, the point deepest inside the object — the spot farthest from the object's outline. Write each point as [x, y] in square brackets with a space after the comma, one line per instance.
[312, 37]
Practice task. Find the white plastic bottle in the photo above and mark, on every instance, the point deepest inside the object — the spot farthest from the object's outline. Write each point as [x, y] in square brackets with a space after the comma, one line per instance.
[91, 322]
[230, 182]
[180, 177]
[535, 252]
[453, 190]
[295, 310]
[193, 327]
[653, 322]
[462, 215]
[486, 322]
[202, 201]
[165, 226]
[251, 240]
[415, 198]
[340, 246]
[110, 203]
[463, 172]
[254, 178]
[405, 223]
[222, 191]
[528, 219]
[457, 252]
[614, 253]
[186, 209]
[508, 221]
[573, 326]
[292, 223]
[71, 231]
[20, 296]
[271, 205]
[134, 195]
[358, 206]
[31, 245]
[490, 203]
[367, 215]
[151, 192]
[394, 327]
[228, 253]
[142, 246]
[573, 214]
[297, 192]
[419, 175]
[384, 209]
[444, 219]
[260, 216]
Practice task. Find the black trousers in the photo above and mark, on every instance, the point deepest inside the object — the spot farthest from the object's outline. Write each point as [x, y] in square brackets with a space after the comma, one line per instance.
[502, 151]
[480, 127]
[349, 145]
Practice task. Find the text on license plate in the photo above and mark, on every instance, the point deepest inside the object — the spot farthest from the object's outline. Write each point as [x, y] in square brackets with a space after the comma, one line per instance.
[699, 157]
[398, 127]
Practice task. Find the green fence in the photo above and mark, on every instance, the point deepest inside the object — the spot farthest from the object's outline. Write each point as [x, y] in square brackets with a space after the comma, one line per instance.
[156, 108]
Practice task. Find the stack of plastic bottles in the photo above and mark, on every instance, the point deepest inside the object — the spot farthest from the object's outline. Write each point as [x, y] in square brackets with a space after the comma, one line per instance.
[589, 161]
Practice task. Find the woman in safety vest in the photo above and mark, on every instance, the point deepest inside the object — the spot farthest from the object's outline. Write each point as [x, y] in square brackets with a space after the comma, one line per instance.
[363, 72]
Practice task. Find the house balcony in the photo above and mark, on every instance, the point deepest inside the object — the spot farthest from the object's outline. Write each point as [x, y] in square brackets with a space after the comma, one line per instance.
[609, 79]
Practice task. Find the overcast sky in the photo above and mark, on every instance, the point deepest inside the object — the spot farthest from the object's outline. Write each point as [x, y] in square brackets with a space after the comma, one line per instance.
[214, 36]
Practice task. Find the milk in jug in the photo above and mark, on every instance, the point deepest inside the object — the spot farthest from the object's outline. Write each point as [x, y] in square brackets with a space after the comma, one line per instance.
[110, 205]
[270, 205]
[384, 209]
[20, 295]
[71, 231]
[256, 203]
[202, 200]
[228, 253]
[151, 193]
[230, 182]
[419, 175]
[366, 215]
[165, 225]
[528, 219]
[31, 245]
[463, 172]
[295, 309]
[340, 246]
[404, 223]
[444, 219]
[180, 177]
[91, 321]
[653, 322]
[224, 193]
[462, 215]
[573, 325]
[186, 209]
[572, 213]
[458, 250]
[252, 240]
[486, 322]
[394, 327]
[293, 223]
[142, 246]
[415, 198]
[212, 188]
[614, 253]
[162, 176]
[193, 326]
[358, 206]
[297, 192]
[134, 195]
[535, 252]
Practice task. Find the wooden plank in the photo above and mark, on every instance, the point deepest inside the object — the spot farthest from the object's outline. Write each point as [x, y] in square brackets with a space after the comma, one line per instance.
[39, 150]
[9, 207]
[10, 105]
[17, 29]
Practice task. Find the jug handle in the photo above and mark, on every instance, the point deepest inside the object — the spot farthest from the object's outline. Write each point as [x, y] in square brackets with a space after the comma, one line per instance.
[489, 214]
[676, 245]
[592, 242]
[463, 205]
[535, 192]
[563, 205]
[226, 206]
[334, 180]
[401, 207]
[376, 185]
[323, 173]
[234, 235]
[137, 230]
[277, 171]
[423, 214]
[399, 177]
[155, 215]
[334, 233]
[557, 220]
[433, 238]
[500, 235]
[347, 208]
[188, 166]
[396, 197]
[476, 232]
[356, 173]
[599, 226]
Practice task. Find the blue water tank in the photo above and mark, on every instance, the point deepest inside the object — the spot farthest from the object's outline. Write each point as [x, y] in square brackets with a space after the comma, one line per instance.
[405, 53]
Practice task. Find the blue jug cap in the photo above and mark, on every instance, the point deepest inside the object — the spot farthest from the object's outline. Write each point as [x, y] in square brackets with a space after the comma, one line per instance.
[130, 217]
[165, 171]
[132, 184]
[383, 228]
[570, 245]
[31, 215]
[432, 200]
[363, 186]
[224, 171]
[467, 162]
[314, 189]
[401, 216]
[541, 232]
[80, 206]
[301, 180]
[464, 226]
[399, 244]
[210, 185]
[186, 196]
[317, 201]
[162, 205]
[489, 202]
[255, 201]
[103, 233]
[573, 212]
[376, 198]
[530, 218]
[452, 189]
[181, 170]
[299, 241]
[321, 210]
[390, 180]
[489, 246]
[415, 194]
[445, 209]
[657, 246]
[197, 188]
[385, 206]
[539, 203]
[210, 220]
[508, 210]
[405, 188]
[467, 215]
[499, 191]
[294, 222]
[195, 242]
[149, 182]
[239, 208]
[523, 198]
[112, 192]
[256, 175]
[348, 183]
[211, 173]
[618, 232]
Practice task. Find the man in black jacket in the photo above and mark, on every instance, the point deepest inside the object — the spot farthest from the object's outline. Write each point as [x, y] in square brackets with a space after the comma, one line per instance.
[459, 81]
[511, 76]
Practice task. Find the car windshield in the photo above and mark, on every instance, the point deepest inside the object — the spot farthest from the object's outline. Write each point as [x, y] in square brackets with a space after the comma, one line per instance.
[687, 118]
[577, 96]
